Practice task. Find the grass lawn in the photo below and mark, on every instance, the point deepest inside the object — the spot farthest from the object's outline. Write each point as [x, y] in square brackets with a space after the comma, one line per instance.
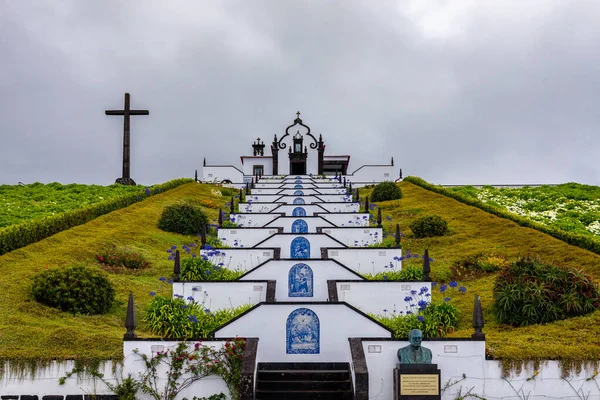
[29, 331]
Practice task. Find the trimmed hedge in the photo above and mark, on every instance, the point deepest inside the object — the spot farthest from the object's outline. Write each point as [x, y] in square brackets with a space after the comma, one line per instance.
[21, 235]
[575, 239]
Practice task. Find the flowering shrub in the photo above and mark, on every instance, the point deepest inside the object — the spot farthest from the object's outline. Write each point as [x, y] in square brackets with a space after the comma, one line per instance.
[77, 289]
[530, 292]
[122, 259]
[176, 317]
[186, 366]
[434, 319]
[206, 265]
[209, 203]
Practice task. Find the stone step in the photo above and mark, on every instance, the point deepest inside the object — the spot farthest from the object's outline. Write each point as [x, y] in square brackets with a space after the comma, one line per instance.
[304, 375]
[303, 395]
[312, 383]
[303, 366]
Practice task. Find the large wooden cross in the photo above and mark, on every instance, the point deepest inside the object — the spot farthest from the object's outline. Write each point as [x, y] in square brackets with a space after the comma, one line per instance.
[126, 112]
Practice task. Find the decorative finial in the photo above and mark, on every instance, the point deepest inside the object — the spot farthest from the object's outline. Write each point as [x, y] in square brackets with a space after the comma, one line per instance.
[204, 162]
[232, 206]
[378, 217]
[392, 161]
[357, 195]
[349, 188]
[130, 323]
[367, 204]
[247, 188]
[344, 181]
[177, 266]
[220, 218]
[298, 114]
[426, 266]
[400, 173]
[203, 236]
[196, 176]
[478, 320]
[397, 235]
[241, 195]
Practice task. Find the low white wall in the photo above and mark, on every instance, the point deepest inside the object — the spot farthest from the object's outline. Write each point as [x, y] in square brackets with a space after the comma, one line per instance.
[265, 198]
[258, 191]
[341, 207]
[45, 381]
[337, 322]
[457, 357]
[286, 223]
[310, 209]
[356, 237]
[347, 219]
[373, 174]
[278, 270]
[381, 297]
[307, 199]
[135, 365]
[283, 241]
[220, 173]
[367, 261]
[257, 208]
[335, 198]
[253, 220]
[244, 237]
[243, 259]
[220, 295]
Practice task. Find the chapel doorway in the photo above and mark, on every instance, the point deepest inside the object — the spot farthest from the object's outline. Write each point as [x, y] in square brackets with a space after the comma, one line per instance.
[298, 168]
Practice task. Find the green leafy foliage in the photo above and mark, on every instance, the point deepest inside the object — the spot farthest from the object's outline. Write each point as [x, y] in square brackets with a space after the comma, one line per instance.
[76, 289]
[429, 226]
[386, 191]
[437, 320]
[30, 231]
[530, 292]
[184, 217]
[122, 258]
[201, 269]
[407, 273]
[174, 317]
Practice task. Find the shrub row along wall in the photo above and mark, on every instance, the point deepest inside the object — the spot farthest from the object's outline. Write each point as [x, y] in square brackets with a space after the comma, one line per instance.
[17, 236]
[575, 239]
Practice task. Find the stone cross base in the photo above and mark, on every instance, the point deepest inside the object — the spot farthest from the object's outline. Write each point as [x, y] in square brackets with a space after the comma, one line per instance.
[125, 181]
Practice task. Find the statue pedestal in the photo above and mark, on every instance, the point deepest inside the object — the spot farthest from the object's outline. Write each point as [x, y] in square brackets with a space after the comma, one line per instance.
[417, 382]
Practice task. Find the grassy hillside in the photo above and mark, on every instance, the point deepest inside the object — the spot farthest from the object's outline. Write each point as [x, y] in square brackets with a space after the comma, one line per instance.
[29, 331]
[474, 230]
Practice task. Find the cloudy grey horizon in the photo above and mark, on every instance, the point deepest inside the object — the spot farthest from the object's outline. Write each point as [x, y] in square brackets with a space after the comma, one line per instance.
[458, 92]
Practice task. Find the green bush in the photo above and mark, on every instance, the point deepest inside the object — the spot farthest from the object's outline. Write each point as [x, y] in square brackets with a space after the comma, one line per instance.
[530, 292]
[429, 226]
[437, 320]
[185, 218]
[17, 236]
[202, 269]
[76, 289]
[178, 318]
[386, 191]
[407, 273]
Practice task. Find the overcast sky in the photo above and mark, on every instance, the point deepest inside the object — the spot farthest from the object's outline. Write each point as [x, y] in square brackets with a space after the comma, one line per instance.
[458, 92]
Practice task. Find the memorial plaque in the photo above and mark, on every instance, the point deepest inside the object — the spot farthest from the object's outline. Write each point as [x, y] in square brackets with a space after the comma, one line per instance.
[419, 384]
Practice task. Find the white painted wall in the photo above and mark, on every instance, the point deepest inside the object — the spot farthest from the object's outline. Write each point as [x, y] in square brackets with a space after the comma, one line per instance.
[356, 237]
[376, 296]
[338, 322]
[368, 174]
[347, 219]
[220, 295]
[341, 207]
[317, 241]
[258, 190]
[257, 208]
[135, 365]
[243, 259]
[367, 261]
[244, 237]
[286, 223]
[253, 220]
[45, 381]
[335, 198]
[221, 173]
[307, 199]
[250, 162]
[278, 270]
[310, 209]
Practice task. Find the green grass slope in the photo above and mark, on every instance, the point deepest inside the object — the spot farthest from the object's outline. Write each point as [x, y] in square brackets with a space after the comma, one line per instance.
[474, 230]
[30, 331]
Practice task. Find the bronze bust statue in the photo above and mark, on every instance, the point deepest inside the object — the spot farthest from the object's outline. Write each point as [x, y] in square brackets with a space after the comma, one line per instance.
[414, 353]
